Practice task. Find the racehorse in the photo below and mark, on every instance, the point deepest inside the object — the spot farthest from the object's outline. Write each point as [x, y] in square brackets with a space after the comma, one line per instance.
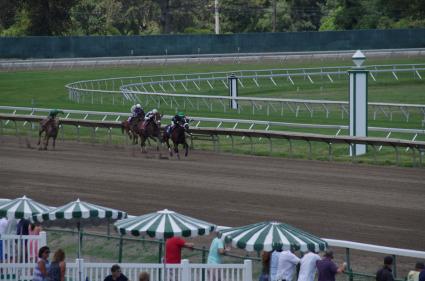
[130, 128]
[149, 129]
[178, 136]
[50, 127]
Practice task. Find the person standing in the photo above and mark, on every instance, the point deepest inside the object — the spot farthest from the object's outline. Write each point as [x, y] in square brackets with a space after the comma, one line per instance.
[327, 269]
[308, 266]
[265, 261]
[3, 226]
[41, 271]
[274, 262]
[34, 230]
[286, 265]
[217, 249]
[385, 273]
[413, 275]
[422, 275]
[173, 249]
[57, 266]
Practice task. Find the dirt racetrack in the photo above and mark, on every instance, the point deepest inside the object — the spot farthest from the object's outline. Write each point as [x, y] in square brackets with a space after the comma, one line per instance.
[370, 204]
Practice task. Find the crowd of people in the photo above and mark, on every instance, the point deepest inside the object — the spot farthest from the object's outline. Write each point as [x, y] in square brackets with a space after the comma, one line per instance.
[276, 265]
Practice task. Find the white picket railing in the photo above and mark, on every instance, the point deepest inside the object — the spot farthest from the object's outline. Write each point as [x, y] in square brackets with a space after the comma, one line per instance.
[81, 271]
[21, 248]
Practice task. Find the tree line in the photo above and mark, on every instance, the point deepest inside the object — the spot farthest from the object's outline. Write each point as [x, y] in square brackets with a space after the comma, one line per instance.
[145, 17]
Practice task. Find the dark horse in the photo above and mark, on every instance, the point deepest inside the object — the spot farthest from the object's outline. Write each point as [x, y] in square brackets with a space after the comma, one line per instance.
[130, 128]
[178, 136]
[50, 128]
[149, 129]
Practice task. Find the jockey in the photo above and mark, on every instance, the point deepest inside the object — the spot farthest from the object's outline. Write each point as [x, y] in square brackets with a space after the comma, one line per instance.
[151, 114]
[136, 112]
[53, 113]
[179, 119]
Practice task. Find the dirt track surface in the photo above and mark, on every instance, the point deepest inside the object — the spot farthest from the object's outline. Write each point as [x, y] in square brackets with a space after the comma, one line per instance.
[370, 204]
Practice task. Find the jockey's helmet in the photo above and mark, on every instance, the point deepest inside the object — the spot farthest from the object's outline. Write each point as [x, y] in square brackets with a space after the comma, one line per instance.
[181, 114]
[138, 105]
[154, 111]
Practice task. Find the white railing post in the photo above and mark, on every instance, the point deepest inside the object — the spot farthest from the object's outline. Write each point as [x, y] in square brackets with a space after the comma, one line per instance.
[80, 269]
[185, 270]
[247, 271]
[43, 240]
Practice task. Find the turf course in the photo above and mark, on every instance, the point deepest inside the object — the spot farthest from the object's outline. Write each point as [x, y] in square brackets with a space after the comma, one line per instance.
[46, 89]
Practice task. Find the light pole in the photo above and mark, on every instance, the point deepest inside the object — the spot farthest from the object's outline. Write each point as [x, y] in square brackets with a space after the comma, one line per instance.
[358, 102]
[216, 17]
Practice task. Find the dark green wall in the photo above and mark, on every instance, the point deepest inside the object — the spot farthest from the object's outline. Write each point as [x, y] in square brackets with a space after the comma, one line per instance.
[111, 46]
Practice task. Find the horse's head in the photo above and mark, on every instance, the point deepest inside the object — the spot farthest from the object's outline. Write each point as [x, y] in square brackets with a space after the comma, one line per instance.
[157, 118]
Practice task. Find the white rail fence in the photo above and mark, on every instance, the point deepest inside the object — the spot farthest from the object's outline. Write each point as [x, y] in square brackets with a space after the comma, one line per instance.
[21, 248]
[185, 271]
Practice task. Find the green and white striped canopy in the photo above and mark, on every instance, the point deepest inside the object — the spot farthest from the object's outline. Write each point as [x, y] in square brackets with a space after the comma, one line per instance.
[270, 236]
[4, 200]
[22, 208]
[164, 224]
[79, 212]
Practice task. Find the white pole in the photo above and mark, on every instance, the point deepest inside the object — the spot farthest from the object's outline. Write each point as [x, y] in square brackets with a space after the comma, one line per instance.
[216, 17]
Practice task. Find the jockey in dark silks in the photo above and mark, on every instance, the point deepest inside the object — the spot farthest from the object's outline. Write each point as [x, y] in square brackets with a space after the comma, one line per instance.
[179, 119]
[54, 112]
[136, 112]
[51, 117]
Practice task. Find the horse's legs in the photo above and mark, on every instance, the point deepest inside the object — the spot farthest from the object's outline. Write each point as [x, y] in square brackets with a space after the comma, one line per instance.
[39, 138]
[54, 142]
[142, 143]
[186, 149]
[46, 141]
[176, 150]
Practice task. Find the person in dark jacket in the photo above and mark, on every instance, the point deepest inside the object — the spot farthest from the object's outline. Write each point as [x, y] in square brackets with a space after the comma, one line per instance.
[385, 273]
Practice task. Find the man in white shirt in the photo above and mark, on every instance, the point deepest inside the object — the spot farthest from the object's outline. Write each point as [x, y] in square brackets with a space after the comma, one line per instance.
[287, 265]
[308, 266]
[3, 226]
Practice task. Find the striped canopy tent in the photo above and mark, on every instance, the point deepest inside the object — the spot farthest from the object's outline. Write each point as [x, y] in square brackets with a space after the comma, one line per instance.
[4, 200]
[22, 208]
[78, 213]
[269, 236]
[164, 224]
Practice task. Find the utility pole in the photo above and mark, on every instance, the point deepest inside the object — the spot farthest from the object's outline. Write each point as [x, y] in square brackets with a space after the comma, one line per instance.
[274, 16]
[216, 17]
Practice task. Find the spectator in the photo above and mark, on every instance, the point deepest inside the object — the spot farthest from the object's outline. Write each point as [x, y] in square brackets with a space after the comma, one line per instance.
[173, 252]
[385, 273]
[216, 250]
[41, 271]
[23, 227]
[116, 274]
[34, 230]
[265, 261]
[422, 275]
[286, 265]
[413, 275]
[58, 266]
[3, 226]
[144, 276]
[308, 266]
[327, 269]
[274, 261]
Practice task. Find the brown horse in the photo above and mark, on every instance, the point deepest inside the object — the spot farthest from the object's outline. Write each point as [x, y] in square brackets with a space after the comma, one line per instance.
[149, 129]
[50, 128]
[130, 128]
[178, 136]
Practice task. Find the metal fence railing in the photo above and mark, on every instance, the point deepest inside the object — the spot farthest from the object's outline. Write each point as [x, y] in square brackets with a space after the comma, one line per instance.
[189, 91]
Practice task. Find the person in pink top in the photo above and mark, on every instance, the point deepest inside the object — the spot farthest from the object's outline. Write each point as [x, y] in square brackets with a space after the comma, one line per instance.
[33, 230]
